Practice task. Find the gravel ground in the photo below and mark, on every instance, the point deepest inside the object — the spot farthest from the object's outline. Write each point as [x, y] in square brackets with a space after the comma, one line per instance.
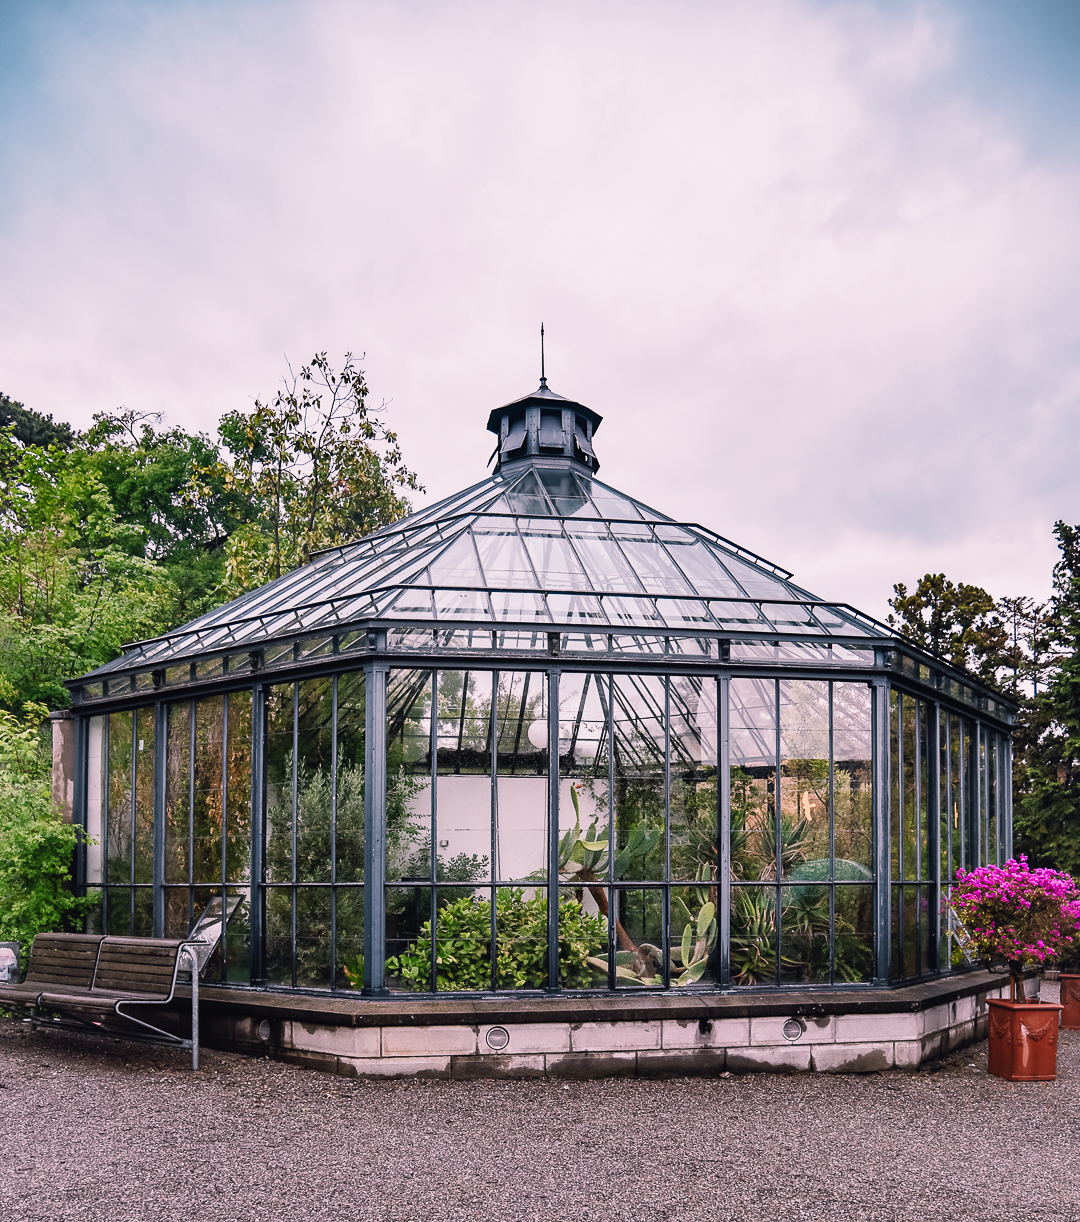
[104, 1131]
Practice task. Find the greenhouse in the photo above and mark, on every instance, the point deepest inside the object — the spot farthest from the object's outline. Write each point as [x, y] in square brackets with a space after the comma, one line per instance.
[540, 738]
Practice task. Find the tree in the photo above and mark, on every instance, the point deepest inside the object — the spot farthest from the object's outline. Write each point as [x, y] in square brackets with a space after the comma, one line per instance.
[958, 622]
[318, 468]
[34, 429]
[1047, 784]
[37, 845]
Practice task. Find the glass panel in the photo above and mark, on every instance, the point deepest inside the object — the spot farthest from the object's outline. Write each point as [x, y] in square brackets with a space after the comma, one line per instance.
[583, 938]
[925, 865]
[279, 935]
[753, 935]
[458, 565]
[854, 917]
[654, 567]
[522, 941]
[238, 939]
[119, 810]
[804, 798]
[694, 795]
[518, 607]
[314, 782]
[118, 906]
[692, 936]
[639, 936]
[501, 554]
[603, 560]
[408, 939]
[702, 569]
[178, 798]
[896, 949]
[521, 796]
[640, 798]
[349, 844]
[313, 937]
[144, 795]
[561, 486]
[209, 734]
[279, 785]
[992, 796]
[553, 559]
[804, 924]
[526, 497]
[238, 795]
[463, 604]
[852, 782]
[96, 789]
[753, 779]
[350, 936]
[896, 787]
[143, 926]
[464, 785]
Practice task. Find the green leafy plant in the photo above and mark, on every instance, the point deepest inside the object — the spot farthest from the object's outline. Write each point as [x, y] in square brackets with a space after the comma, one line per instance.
[36, 845]
[463, 945]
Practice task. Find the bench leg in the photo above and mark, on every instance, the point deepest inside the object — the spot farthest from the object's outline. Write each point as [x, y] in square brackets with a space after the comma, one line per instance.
[194, 1010]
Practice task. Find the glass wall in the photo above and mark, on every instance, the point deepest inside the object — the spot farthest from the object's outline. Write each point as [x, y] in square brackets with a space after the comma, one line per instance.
[617, 875]
[314, 832]
[207, 833]
[802, 894]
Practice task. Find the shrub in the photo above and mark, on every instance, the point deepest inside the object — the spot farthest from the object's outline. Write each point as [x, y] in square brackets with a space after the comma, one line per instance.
[1026, 917]
[36, 845]
[463, 950]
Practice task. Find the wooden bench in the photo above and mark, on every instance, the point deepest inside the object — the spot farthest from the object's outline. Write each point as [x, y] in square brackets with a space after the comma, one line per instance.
[58, 961]
[128, 974]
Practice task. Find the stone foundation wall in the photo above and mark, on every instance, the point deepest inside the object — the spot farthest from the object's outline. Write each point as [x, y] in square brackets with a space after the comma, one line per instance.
[864, 1036]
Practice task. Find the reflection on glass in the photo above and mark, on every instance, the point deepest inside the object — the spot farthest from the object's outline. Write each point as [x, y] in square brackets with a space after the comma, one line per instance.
[313, 937]
[804, 781]
[177, 866]
[854, 937]
[144, 798]
[694, 796]
[349, 924]
[804, 934]
[639, 959]
[639, 747]
[408, 939]
[753, 935]
[118, 858]
[852, 780]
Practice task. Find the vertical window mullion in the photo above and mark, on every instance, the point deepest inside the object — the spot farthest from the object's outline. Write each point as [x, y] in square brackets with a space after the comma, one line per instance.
[613, 897]
[665, 894]
[723, 773]
[832, 843]
[493, 780]
[224, 829]
[191, 818]
[295, 812]
[333, 829]
[433, 877]
[777, 829]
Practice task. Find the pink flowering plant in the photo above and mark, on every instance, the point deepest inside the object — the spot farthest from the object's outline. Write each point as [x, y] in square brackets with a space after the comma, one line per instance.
[1026, 917]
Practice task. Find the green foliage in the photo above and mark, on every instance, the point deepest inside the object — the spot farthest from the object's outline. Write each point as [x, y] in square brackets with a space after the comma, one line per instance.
[128, 530]
[36, 845]
[958, 622]
[316, 467]
[463, 945]
[1047, 790]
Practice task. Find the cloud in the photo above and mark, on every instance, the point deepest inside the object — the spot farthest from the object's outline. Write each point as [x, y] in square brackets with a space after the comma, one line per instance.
[821, 297]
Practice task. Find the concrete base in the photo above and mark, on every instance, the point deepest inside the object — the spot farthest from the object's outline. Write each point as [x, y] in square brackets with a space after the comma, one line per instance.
[647, 1036]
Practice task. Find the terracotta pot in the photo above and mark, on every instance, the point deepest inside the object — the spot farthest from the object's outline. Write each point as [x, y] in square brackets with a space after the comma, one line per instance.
[1023, 1040]
[1070, 1001]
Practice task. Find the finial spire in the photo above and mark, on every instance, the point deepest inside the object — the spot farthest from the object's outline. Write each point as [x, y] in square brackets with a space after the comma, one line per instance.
[543, 379]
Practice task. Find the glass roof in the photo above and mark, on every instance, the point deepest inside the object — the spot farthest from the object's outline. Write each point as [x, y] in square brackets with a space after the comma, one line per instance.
[538, 545]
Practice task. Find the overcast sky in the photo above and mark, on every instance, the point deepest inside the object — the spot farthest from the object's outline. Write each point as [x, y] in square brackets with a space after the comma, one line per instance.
[815, 264]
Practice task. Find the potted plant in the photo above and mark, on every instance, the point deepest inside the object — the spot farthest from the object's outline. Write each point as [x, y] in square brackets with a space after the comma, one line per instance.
[1026, 918]
[1070, 987]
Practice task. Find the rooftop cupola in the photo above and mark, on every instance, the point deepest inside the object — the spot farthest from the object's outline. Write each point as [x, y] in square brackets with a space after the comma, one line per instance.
[545, 425]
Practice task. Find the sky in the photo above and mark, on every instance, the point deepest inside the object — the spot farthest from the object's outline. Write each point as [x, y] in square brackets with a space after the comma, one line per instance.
[814, 262]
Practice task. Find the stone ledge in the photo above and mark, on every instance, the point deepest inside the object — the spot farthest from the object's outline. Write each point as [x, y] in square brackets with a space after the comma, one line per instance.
[343, 1010]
